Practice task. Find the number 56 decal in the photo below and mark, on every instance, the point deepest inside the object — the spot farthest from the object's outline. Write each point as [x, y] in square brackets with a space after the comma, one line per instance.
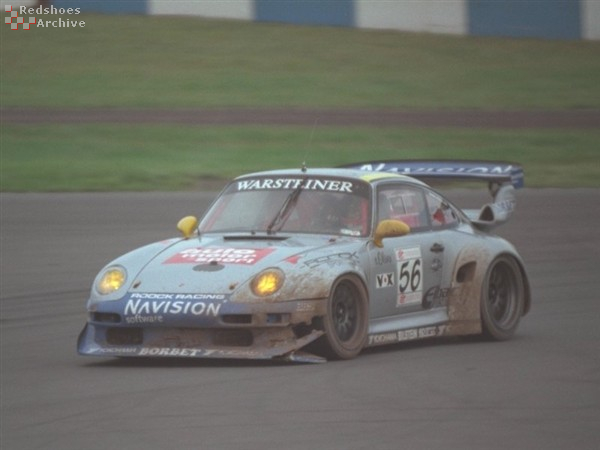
[410, 276]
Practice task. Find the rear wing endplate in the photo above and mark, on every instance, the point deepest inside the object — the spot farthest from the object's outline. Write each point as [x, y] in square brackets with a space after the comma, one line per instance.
[499, 172]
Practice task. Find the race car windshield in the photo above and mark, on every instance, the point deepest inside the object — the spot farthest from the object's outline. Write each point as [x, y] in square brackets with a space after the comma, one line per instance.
[293, 205]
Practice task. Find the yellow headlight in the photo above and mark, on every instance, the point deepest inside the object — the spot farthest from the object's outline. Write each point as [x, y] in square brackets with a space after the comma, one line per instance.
[267, 282]
[111, 281]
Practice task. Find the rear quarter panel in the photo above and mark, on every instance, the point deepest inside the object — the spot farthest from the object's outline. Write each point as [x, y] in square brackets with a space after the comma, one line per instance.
[473, 252]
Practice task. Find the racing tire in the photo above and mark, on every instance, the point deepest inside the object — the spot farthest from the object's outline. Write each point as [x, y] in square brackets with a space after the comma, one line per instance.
[346, 323]
[502, 299]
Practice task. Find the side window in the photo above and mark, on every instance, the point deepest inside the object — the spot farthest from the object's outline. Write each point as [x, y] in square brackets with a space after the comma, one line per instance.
[441, 214]
[403, 203]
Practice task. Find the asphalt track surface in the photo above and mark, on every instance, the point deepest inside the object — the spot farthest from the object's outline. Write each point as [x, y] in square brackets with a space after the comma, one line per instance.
[540, 390]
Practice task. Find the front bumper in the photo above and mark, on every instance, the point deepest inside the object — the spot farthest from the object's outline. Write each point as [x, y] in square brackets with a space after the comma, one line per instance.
[239, 331]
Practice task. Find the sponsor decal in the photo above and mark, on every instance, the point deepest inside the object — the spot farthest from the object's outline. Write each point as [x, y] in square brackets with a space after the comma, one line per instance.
[220, 255]
[180, 352]
[382, 339]
[381, 258]
[506, 205]
[137, 319]
[410, 276]
[332, 260]
[437, 296]
[112, 350]
[161, 296]
[135, 307]
[196, 352]
[408, 253]
[152, 308]
[233, 353]
[437, 264]
[305, 307]
[449, 169]
[349, 232]
[310, 184]
[439, 167]
[158, 351]
[292, 259]
[407, 335]
[384, 280]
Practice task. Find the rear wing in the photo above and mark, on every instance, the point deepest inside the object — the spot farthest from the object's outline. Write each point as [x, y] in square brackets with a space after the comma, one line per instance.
[499, 172]
[502, 177]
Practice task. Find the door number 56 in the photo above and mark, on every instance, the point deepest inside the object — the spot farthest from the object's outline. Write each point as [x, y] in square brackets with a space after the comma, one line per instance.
[409, 278]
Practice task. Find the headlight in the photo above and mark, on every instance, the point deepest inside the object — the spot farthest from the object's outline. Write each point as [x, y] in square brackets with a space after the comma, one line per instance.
[111, 281]
[267, 282]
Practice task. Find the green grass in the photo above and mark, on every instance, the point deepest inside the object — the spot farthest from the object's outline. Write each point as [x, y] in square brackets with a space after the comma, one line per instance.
[113, 157]
[142, 61]
[173, 62]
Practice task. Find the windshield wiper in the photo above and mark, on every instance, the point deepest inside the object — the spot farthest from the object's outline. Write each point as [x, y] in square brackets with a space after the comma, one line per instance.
[283, 213]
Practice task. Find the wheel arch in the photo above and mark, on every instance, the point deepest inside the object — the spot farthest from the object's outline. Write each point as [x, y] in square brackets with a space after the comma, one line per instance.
[332, 344]
[356, 275]
[468, 275]
[467, 270]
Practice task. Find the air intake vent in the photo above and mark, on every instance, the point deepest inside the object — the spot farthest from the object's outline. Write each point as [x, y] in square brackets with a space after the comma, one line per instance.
[233, 338]
[237, 318]
[106, 317]
[124, 336]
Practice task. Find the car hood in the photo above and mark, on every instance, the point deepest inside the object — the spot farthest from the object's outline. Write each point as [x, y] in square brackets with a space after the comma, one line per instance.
[225, 264]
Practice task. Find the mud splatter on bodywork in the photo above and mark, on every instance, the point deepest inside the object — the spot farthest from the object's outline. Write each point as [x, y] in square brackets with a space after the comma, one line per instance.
[464, 309]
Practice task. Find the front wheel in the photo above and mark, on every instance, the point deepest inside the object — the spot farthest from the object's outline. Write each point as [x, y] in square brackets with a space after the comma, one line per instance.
[347, 321]
[502, 299]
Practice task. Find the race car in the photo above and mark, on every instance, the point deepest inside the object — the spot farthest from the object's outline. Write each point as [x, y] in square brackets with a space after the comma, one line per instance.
[310, 264]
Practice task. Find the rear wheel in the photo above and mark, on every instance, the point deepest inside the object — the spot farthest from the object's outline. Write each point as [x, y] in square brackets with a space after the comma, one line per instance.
[347, 321]
[502, 299]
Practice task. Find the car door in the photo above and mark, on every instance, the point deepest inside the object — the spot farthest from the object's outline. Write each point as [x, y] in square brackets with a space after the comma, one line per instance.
[407, 272]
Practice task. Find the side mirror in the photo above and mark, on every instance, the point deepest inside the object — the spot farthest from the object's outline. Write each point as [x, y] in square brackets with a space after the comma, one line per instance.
[389, 228]
[187, 226]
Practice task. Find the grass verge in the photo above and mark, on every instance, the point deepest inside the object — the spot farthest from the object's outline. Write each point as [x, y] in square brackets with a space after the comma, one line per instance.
[152, 61]
[121, 158]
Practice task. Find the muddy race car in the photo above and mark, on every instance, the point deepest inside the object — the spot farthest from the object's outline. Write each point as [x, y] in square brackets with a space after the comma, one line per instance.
[311, 264]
